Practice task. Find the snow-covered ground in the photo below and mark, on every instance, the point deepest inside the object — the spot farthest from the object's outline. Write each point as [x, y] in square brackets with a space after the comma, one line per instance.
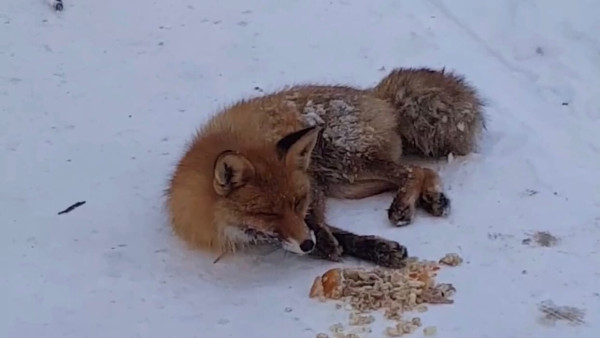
[97, 102]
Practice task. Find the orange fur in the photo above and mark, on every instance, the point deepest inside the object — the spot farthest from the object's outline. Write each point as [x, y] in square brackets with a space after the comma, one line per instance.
[199, 215]
[261, 169]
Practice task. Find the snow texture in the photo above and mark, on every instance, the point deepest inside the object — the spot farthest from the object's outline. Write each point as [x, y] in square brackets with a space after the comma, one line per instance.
[97, 102]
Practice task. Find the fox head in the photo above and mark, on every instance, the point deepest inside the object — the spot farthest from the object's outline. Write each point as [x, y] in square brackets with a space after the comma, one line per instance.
[266, 194]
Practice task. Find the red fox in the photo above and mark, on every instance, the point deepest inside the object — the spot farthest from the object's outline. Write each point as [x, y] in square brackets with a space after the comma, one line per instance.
[260, 171]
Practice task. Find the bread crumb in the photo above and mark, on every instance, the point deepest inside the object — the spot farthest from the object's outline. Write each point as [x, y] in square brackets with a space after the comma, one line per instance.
[337, 328]
[416, 321]
[406, 326]
[451, 259]
[328, 286]
[316, 291]
[351, 335]
[322, 335]
[430, 331]
[357, 319]
[393, 332]
[392, 291]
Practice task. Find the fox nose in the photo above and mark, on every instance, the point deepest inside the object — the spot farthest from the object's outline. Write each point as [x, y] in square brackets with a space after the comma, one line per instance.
[307, 245]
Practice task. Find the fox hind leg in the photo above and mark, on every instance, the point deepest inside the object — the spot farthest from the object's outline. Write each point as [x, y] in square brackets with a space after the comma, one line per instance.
[432, 198]
[416, 187]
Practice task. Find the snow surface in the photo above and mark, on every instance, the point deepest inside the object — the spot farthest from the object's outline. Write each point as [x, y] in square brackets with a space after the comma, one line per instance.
[98, 101]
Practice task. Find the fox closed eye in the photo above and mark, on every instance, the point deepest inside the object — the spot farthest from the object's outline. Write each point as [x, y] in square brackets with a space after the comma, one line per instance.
[267, 214]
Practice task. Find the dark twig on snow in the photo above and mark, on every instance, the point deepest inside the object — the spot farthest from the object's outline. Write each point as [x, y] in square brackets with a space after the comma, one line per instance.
[72, 207]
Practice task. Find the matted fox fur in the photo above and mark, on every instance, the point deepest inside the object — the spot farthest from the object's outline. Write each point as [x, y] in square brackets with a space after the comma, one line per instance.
[261, 170]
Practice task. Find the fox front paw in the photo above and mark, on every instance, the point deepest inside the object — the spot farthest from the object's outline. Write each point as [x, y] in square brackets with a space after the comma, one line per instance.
[383, 252]
[435, 203]
[327, 246]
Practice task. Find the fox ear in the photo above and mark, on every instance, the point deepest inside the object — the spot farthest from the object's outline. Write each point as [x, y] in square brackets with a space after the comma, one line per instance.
[232, 171]
[296, 148]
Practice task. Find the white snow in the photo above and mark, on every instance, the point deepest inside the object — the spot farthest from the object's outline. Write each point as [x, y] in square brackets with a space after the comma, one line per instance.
[97, 102]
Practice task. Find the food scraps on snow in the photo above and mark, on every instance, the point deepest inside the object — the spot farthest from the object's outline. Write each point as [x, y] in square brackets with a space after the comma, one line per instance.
[394, 291]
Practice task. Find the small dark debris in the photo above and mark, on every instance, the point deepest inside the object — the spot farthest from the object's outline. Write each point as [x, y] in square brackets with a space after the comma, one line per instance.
[161, 43]
[553, 313]
[258, 89]
[242, 23]
[524, 272]
[129, 116]
[288, 309]
[531, 192]
[72, 207]
[541, 238]
[565, 103]
[539, 51]
[382, 69]
[497, 235]
[58, 5]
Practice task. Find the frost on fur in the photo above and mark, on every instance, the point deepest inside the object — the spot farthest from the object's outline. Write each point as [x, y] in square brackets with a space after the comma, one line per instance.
[262, 169]
[438, 112]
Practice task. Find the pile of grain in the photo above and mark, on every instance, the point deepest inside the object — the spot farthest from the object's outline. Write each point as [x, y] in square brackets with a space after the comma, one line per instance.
[394, 291]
